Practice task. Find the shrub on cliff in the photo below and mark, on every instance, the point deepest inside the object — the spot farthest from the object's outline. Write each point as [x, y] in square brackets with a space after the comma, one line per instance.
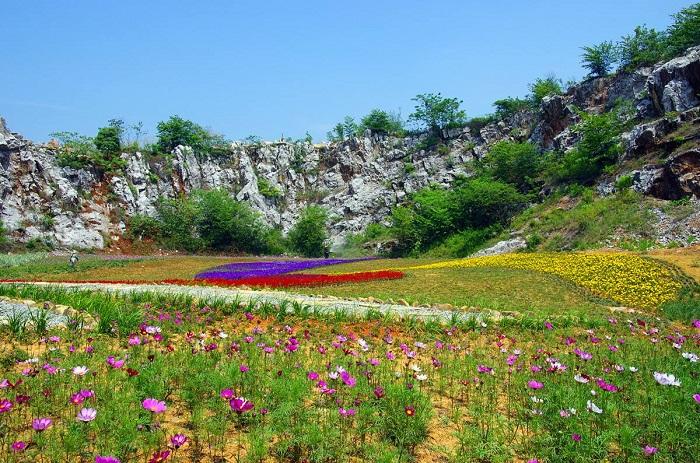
[309, 234]
[544, 87]
[381, 122]
[643, 48]
[685, 30]
[4, 240]
[178, 131]
[435, 113]
[514, 163]
[599, 59]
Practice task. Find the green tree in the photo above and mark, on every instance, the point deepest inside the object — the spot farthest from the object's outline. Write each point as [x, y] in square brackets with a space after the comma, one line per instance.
[308, 235]
[178, 131]
[506, 107]
[482, 202]
[224, 223]
[644, 48]
[107, 142]
[544, 87]
[437, 113]
[599, 59]
[514, 163]
[380, 122]
[685, 30]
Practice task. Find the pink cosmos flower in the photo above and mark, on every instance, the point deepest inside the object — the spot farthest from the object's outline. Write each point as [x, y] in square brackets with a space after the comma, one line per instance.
[178, 440]
[241, 405]
[87, 414]
[548, 325]
[649, 450]
[696, 397]
[532, 384]
[227, 394]
[50, 369]
[484, 369]
[153, 405]
[346, 412]
[312, 376]
[348, 379]
[379, 392]
[42, 424]
[77, 399]
[106, 459]
[19, 446]
[134, 340]
[112, 362]
[5, 405]
[244, 368]
[696, 323]
[576, 437]
[159, 456]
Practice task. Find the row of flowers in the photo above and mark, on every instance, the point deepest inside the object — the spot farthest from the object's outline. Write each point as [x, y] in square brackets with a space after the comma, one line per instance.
[243, 270]
[274, 281]
[627, 279]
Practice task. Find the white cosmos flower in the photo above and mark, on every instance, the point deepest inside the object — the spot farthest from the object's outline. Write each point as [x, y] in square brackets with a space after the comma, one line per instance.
[536, 399]
[634, 369]
[580, 379]
[223, 335]
[690, 356]
[593, 407]
[666, 379]
[421, 377]
[416, 368]
[80, 370]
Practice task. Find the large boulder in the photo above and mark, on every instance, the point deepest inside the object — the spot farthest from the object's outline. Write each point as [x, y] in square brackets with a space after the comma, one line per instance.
[675, 85]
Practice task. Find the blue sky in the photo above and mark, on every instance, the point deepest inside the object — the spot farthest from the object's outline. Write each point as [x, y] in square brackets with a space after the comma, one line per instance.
[273, 68]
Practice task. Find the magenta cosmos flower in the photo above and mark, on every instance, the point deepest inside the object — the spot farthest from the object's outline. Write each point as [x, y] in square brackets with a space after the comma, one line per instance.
[178, 440]
[346, 412]
[87, 414]
[241, 405]
[649, 450]
[153, 405]
[42, 424]
[106, 459]
[227, 394]
[532, 384]
[5, 405]
[19, 446]
[696, 398]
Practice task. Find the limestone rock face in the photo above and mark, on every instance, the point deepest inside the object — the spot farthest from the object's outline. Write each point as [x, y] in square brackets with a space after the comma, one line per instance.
[675, 85]
[357, 180]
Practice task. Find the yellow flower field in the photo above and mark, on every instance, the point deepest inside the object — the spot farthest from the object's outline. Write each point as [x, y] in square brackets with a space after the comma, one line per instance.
[628, 279]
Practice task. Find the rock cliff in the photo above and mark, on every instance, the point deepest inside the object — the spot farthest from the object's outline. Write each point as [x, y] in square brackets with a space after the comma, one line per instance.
[358, 180]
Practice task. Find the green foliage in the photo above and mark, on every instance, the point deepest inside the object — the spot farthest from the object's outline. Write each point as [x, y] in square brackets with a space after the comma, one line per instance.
[685, 30]
[598, 148]
[436, 113]
[514, 163]
[507, 107]
[80, 152]
[309, 234]
[645, 47]
[107, 141]
[178, 219]
[434, 213]
[143, 227]
[544, 87]
[178, 131]
[599, 59]
[4, 240]
[464, 243]
[343, 130]
[381, 122]
[267, 189]
[405, 414]
[623, 183]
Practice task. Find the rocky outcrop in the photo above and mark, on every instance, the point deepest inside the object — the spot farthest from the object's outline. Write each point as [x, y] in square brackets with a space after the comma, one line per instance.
[358, 180]
[675, 85]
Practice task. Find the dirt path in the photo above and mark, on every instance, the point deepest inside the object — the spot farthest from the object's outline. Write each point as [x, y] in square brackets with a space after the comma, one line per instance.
[327, 304]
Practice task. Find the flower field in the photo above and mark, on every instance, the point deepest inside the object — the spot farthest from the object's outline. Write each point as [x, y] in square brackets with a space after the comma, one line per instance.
[628, 279]
[251, 384]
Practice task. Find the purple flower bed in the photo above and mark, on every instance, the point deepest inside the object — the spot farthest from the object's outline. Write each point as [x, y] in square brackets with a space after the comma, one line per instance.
[238, 270]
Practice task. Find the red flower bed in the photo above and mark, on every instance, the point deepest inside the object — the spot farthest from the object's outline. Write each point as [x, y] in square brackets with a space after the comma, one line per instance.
[291, 280]
[274, 281]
